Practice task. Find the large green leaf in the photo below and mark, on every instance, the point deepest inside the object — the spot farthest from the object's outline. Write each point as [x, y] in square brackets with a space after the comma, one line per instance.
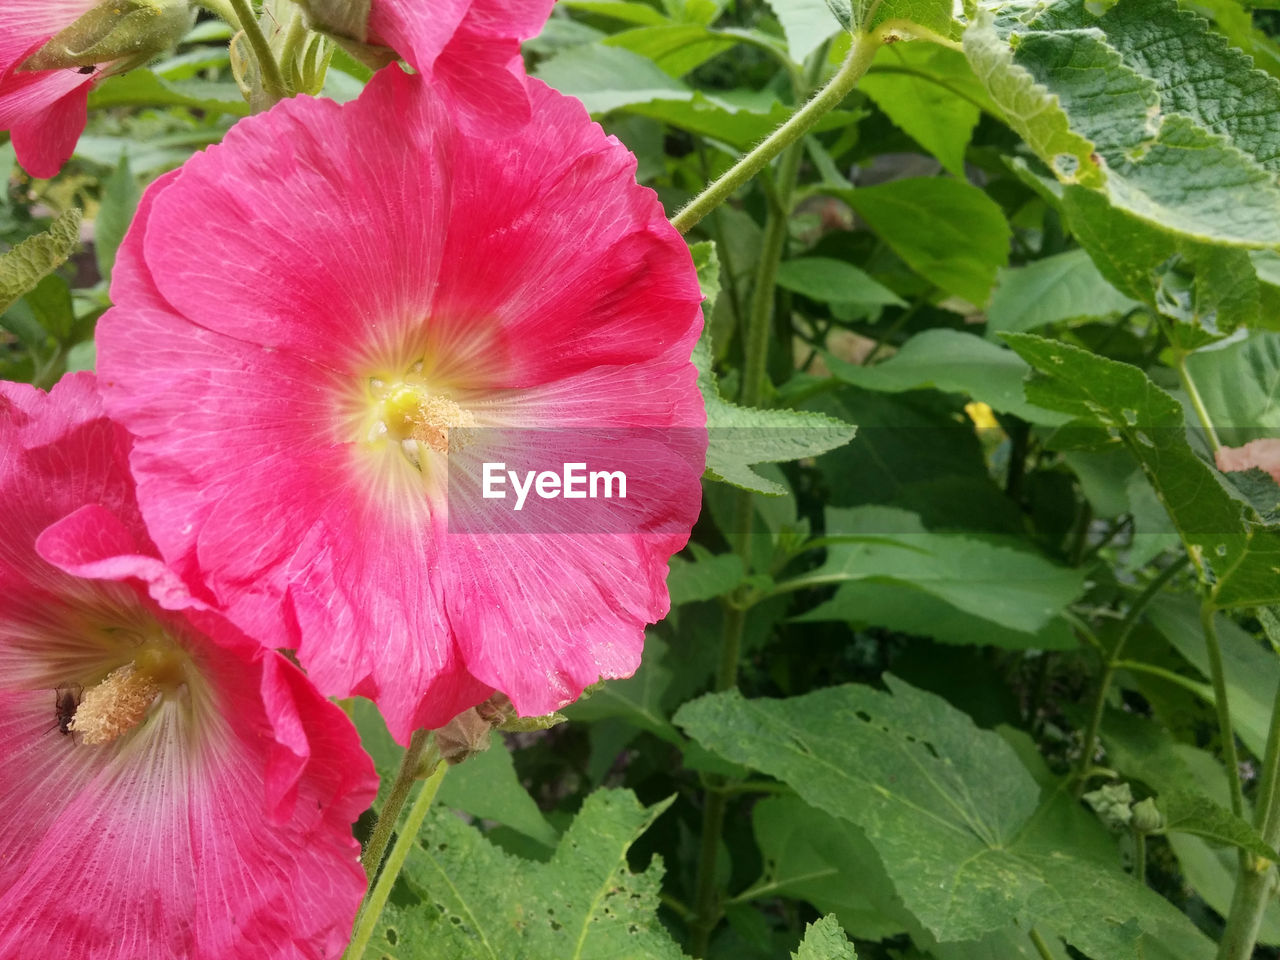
[1182, 132]
[1066, 286]
[833, 281]
[1224, 535]
[806, 24]
[461, 898]
[1017, 589]
[952, 361]
[949, 232]
[957, 820]
[918, 613]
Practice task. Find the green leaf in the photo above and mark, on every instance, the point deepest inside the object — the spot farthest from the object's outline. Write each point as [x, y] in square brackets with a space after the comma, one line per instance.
[1240, 386]
[25, 265]
[1183, 128]
[738, 437]
[144, 88]
[1195, 814]
[824, 940]
[909, 610]
[1056, 289]
[928, 92]
[51, 306]
[1029, 107]
[120, 195]
[957, 820]
[461, 898]
[1017, 589]
[833, 281]
[806, 23]
[704, 579]
[953, 362]
[625, 10]
[1224, 536]
[676, 48]
[606, 78]
[1252, 674]
[949, 232]
[487, 787]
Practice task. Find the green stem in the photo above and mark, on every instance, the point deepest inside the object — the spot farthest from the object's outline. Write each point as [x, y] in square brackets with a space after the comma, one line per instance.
[1253, 887]
[1112, 664]
[855, 65]
[372, 910]
[1042, 948]
[1197, 402]
[410, 765]
[1201, 690]
[224, 11]
[268, 70]
[1140, 856]
[1225, 730]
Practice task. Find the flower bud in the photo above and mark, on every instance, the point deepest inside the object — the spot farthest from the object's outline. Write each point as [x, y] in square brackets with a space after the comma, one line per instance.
[127, 30]
[1146, 818]
[1112, 805]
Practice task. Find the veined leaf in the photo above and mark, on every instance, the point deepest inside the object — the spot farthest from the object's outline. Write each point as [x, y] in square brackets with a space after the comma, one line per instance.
[824, 940]
[1066, 286]
[1223, 534]
[1184, 132]
[957, 820]
[25, 265]
[464, 899]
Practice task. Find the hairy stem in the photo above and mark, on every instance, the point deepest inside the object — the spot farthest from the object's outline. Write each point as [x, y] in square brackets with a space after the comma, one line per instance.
[272, 82]
[855, 65]
[1037, 941]
[410, 765]
[377, 900]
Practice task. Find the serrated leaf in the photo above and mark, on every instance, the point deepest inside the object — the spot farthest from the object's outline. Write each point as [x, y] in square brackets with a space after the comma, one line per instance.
[738, 436]
[1063, 287]
[677, 48]
[1029, 107]
[824, 940]
[1224, 536]
[928, 93]
[953, 362]
[1185, 131]
[465, 899]
[25, 265]
[949, 232]
[1017, 589]
[487, 786]
[957, 820]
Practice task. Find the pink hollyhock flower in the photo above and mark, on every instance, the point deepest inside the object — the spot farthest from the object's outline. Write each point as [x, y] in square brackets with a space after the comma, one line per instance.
[472, 47]
[170, 788]
[45, 110]
[361, 281]
[1263, 454]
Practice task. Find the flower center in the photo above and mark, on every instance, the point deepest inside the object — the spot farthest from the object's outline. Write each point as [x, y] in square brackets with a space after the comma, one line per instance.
[121, 700]
[409, 415]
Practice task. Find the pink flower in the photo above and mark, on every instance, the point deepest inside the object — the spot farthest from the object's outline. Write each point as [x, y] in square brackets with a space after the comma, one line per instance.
[170, 789]
[472, 47]
[305, 312]
[1263, 454]
[43, 110]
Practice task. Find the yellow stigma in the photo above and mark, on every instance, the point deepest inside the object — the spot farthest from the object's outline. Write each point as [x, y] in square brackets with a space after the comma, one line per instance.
[122, 699]
[409, 414]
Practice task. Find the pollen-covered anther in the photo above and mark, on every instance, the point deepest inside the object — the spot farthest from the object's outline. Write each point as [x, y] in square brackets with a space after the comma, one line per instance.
[115, 705]
[435, 418]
